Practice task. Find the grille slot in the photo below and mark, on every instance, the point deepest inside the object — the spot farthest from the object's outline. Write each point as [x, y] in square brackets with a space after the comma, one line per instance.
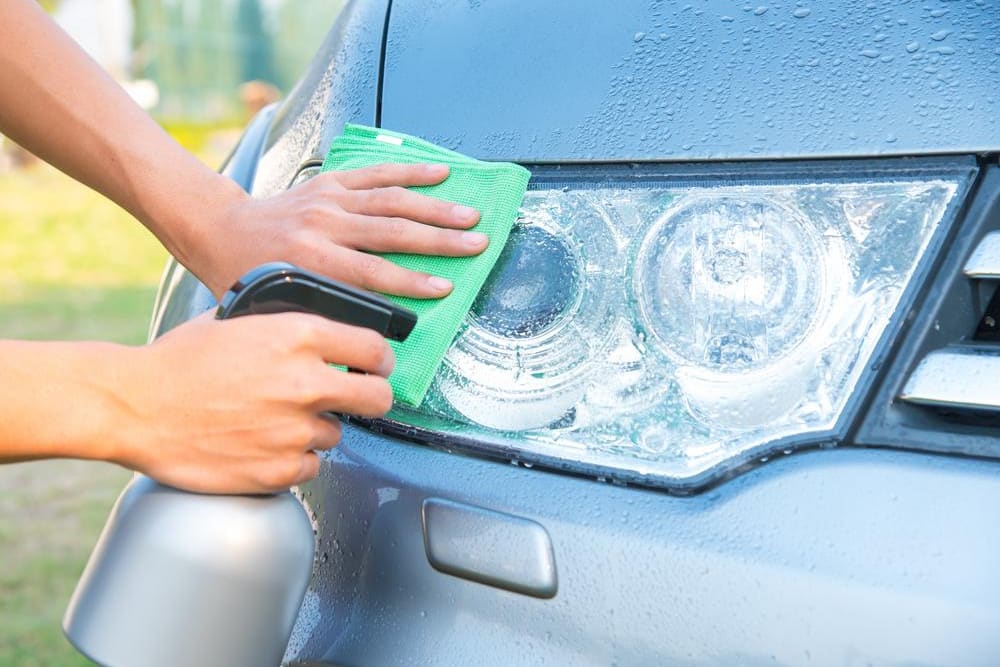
[959, 377]
[965, 377]
[984, 263]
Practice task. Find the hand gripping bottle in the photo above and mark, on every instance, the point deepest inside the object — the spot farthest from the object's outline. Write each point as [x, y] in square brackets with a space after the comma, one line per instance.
[186, 579]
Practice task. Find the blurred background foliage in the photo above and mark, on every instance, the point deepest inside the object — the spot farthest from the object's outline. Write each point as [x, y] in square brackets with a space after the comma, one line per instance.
[75, 266]
[199, 51]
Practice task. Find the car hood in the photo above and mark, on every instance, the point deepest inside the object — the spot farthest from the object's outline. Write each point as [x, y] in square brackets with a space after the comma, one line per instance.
[641, 80]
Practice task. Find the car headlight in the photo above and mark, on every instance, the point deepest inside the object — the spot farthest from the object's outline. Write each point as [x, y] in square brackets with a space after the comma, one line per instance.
[671, 325]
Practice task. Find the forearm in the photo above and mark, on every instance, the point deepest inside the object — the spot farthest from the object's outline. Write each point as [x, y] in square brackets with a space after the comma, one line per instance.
[62, 399]
[58, 103]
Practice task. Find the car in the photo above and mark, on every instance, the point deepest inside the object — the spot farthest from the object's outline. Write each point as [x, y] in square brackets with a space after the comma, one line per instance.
[730, 395]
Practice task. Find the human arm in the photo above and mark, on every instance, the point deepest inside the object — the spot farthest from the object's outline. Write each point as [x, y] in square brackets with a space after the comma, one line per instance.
[180, 412]
[59, 104]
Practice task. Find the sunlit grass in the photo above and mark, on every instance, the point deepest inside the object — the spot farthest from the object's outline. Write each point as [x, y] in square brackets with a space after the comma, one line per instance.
[54, 231]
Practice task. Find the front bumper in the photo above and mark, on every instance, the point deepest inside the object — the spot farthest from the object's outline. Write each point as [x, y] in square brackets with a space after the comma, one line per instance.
[844, 556]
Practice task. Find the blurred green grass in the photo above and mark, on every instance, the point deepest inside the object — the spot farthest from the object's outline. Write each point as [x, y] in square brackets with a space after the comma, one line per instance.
[72, 266]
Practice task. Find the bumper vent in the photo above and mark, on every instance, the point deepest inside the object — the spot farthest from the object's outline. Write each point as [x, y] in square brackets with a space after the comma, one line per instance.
[966, 376]
[984, 263]
[957, 378]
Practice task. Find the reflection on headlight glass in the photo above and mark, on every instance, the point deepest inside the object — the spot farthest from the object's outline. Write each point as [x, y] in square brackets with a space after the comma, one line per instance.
[667, 329]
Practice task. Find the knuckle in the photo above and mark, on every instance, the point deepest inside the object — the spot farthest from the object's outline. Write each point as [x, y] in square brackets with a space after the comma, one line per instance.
[395, 196]
[327, 180]
[373, 347]
[368, 268]
[366, 200]
[303, 241]
[315, 214]
[442, 208]
[307, 392]
[292, 333]
[301, 435]
[328, 434]
[279, 473]
[303, 331]
[394, 228]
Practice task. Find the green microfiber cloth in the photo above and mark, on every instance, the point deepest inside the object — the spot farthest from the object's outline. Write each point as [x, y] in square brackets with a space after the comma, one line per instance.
[495, 189]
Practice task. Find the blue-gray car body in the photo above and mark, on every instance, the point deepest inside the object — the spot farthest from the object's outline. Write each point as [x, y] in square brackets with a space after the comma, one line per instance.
[881, 547]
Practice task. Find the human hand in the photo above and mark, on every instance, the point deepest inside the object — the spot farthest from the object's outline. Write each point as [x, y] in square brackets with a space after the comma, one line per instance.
[237, 406]
[327, 223]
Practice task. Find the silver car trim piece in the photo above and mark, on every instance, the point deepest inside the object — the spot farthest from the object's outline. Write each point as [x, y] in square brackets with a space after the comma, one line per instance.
[956, 377]
[984, 263]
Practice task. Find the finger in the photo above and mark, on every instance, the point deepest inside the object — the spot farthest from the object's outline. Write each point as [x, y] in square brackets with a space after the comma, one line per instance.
[356, 394]
[374, 273]
[397, 202]
[385, 175]
[402, 235]
[309, 470]
[326, 433]
[336, 342]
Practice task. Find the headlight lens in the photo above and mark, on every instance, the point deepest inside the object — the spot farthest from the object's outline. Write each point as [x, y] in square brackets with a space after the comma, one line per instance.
[526, 354]
[669, 325]
[673, 327]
